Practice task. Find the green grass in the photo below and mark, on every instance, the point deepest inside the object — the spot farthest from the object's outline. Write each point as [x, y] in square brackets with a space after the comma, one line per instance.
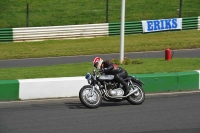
[156, 65]
[101, 45]
[70, 12]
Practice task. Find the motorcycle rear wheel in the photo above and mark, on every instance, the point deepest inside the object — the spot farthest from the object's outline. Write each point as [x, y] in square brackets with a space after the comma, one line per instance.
[88, 100]
[138, 97]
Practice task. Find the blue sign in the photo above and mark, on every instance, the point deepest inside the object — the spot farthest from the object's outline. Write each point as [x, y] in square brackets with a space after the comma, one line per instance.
[163, 24]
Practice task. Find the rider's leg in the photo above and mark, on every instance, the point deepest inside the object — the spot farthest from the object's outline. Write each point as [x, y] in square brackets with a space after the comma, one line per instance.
[119, 78]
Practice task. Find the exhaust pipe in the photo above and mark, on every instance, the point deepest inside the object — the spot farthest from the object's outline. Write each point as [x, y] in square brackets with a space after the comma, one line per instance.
[130, 93]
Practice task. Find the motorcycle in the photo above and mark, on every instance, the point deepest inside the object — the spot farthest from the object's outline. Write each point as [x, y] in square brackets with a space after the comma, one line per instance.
[104, 87]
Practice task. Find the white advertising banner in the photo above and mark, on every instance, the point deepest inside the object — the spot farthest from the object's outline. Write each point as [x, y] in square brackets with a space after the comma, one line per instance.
[162, 24]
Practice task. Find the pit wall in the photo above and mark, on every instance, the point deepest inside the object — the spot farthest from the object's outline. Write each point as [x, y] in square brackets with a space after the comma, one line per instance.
[25, 89]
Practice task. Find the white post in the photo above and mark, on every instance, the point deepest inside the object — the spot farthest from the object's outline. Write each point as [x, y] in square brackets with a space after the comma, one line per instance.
[122, 31]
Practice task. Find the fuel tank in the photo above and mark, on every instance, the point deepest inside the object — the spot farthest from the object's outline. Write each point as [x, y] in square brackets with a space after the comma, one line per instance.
[106, 77]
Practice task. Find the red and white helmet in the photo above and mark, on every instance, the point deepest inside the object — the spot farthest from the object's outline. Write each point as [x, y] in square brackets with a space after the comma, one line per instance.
[97, 62]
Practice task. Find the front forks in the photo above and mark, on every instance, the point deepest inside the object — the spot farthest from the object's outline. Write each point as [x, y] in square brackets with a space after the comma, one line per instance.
[131, 83]
[92, 91]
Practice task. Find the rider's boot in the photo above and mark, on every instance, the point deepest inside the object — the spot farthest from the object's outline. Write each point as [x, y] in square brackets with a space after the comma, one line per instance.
[125, 85]
[126, 88]
[127, 91]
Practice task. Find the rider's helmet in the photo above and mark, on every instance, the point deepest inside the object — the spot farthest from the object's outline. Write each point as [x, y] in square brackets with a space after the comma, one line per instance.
[97, 62]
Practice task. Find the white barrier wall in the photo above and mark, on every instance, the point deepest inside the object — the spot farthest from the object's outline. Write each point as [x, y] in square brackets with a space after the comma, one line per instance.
[50, 87]
[65, 87]
[59, 32]
[57, 87]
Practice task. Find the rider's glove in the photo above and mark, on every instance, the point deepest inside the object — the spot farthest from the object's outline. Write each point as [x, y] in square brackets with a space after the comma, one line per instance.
[105, 69]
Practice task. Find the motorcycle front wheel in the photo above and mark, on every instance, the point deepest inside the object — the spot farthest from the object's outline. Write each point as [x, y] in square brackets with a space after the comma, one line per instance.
[138, 97]
[88, 99]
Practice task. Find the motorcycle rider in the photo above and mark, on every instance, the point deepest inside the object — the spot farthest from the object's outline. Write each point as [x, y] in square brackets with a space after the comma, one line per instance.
[110, 68]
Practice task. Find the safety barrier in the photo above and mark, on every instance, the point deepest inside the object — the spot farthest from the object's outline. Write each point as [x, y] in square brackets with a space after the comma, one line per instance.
[6, 34]
[81, 31]
[167, 82]
[59, 32]
[130, 28]
[136, 27]
[190, 23]
[199, 23]
[9, 90]
[70, 86]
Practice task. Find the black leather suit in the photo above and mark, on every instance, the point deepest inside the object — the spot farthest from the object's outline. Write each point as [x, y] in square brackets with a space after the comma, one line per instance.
[119, 73]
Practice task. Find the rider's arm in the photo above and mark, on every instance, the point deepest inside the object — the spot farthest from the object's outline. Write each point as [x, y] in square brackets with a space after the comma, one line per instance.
[108, 65]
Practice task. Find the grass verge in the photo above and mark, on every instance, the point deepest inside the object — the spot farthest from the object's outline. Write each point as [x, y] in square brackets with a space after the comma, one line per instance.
[101, 45]
[154, 65]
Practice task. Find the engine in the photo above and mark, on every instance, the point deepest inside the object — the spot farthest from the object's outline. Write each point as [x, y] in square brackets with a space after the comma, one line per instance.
[116, 92]
[113, 90]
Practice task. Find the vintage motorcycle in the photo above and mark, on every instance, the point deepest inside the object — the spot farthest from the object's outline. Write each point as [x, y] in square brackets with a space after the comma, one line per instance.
[104, 87]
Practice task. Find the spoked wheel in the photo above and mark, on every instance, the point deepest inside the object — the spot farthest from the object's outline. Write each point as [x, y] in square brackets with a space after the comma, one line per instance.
[138, 97]
[88, 99]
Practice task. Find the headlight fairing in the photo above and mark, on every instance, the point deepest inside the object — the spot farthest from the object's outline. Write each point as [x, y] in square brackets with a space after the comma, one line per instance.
[88, 76]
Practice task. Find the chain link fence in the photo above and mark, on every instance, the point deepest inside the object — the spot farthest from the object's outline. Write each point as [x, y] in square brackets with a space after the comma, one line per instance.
[27, 13]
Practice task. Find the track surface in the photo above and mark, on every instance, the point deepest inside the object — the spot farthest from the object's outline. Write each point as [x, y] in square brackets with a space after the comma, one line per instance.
[176, 113]
[189, 53]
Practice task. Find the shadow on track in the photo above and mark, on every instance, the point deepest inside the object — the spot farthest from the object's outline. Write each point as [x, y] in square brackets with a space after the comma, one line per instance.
[74, 105]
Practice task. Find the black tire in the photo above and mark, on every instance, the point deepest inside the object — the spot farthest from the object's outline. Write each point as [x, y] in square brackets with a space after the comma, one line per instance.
[95, 100]
[138, 97]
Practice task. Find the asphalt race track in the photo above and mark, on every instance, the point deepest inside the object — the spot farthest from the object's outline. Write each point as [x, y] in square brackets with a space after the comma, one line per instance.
[189, 53]
[175, 113]
[170, 113]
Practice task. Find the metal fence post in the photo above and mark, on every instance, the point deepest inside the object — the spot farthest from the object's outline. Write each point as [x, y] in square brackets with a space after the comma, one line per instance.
[180, 9]
[106, 11]
[27, 14]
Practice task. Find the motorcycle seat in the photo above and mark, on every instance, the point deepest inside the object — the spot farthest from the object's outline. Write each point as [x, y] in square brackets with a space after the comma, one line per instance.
[128, 78]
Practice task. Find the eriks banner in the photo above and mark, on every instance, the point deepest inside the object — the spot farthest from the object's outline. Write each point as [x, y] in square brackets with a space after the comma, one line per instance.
[163, 24]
